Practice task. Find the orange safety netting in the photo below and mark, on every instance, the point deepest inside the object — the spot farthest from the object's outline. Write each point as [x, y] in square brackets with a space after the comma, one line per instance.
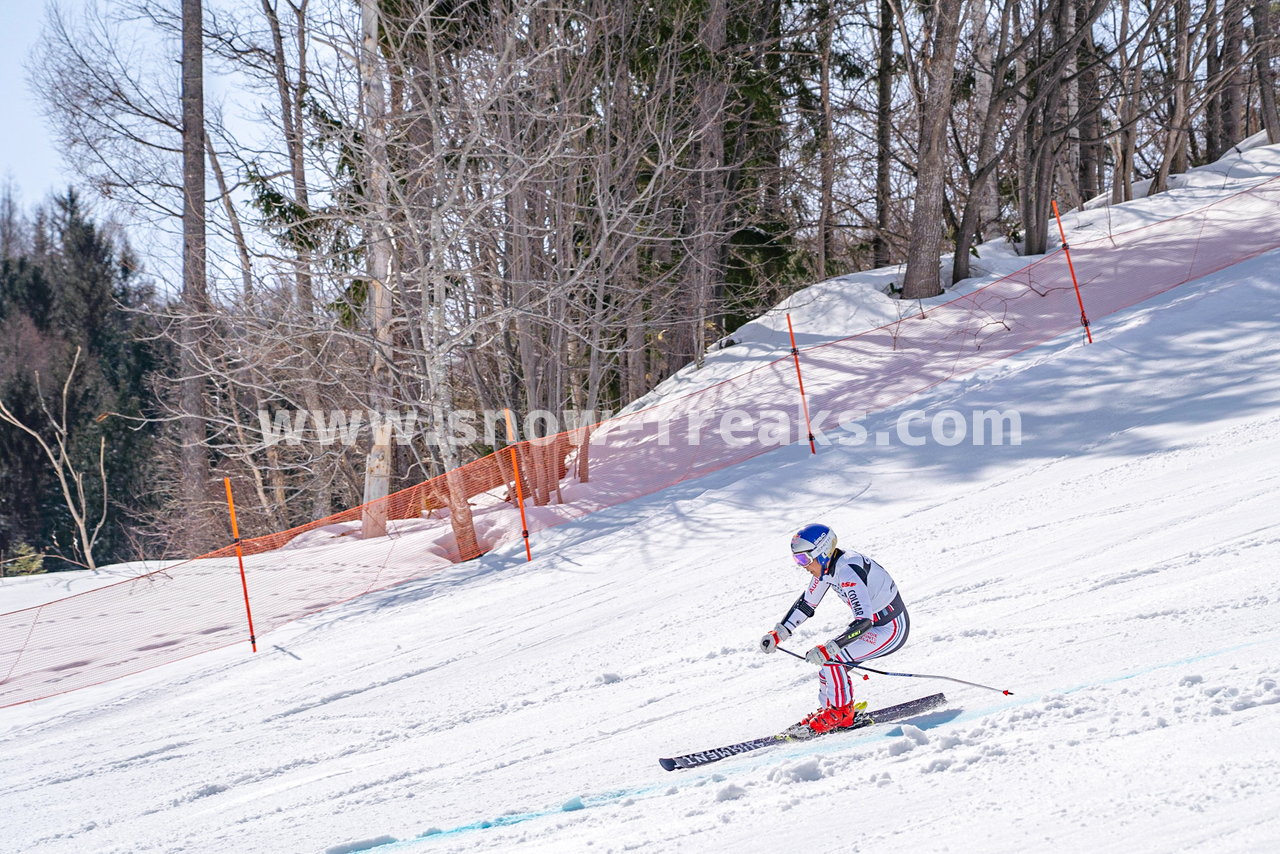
[197, 606]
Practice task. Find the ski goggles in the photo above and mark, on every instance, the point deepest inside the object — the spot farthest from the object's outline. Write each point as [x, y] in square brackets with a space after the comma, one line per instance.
[802, 558]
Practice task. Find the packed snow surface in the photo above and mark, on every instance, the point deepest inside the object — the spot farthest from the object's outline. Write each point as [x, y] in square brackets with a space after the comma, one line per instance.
[1115, 570]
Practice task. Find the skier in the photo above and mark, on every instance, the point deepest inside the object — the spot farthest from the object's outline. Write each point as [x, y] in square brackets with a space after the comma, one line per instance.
[879, 627]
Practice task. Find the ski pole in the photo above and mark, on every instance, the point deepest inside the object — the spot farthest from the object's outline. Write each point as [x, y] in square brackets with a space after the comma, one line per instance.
[857, 665]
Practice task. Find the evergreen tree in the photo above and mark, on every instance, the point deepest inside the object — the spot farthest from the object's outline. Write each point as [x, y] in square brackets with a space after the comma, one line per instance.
[74, 289]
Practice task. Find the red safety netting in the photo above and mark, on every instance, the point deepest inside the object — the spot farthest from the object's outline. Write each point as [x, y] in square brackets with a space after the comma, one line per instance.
[197, 606]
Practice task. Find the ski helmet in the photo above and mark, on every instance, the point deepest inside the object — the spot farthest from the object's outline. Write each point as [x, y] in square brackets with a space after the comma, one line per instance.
[816, 541]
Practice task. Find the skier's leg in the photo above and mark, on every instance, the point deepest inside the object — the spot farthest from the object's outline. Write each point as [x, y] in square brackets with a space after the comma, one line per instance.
[835, 695]
[880, 641]
[835, 688]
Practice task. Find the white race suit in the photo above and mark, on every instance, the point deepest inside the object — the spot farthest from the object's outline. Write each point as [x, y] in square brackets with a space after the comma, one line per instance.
[871, 594]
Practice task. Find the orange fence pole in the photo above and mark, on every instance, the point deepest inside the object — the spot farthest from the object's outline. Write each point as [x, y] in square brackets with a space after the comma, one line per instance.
[515, 466]
[795, 354]
[1084, 318]
[244, 584]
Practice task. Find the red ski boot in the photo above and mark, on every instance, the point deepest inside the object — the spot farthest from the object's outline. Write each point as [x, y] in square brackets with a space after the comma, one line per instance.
[830, 718]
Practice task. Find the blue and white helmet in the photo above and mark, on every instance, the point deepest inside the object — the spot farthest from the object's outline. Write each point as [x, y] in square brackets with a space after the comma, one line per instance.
[816, 541]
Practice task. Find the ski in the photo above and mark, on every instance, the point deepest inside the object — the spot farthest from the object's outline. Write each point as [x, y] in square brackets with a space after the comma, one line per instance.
[879, 716]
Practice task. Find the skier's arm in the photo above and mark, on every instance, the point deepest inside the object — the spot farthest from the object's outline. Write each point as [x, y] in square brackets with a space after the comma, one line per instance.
[800, 611]
[854, 631]
[803, 607]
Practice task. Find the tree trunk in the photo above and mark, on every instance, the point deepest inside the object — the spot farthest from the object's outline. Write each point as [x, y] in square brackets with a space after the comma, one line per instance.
[709, 181]
[884, 124]
[1234, 88]
[922, 279]
[377, 480]
[827, 150]
[194, 458]
[1215, 56]
[981, 208]
[293, 96]
[1125, 143]
[1175, 146]
[1090, 175]
[1262, 64]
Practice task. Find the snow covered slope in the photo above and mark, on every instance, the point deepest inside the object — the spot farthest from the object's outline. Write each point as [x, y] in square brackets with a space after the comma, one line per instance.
[1116, 570]
[847, 305]
[26, 591]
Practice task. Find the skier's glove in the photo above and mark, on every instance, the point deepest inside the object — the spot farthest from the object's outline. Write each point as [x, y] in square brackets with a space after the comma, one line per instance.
[822, 654]
[770, 642]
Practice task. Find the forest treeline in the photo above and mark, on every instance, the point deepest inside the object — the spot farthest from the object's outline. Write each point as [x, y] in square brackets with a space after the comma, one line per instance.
[78, 350]
[405, 205]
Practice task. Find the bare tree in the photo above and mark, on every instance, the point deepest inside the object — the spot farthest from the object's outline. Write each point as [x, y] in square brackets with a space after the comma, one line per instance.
[1264, 39]
[933, 83]
[1174, 156]
[1133, 44]
[994, 56]
[195, 297]
[885, 70]
[70, 480]
[826, 215]
[373, 96]
[542, 205]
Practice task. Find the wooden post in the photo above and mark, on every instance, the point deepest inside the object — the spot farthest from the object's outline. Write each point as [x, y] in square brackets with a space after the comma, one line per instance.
[1084, 318]
[515, 466]
[795, 354]
[244, 584]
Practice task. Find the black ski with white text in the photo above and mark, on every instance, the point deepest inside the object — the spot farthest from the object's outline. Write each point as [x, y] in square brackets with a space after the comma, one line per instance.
[878, 716]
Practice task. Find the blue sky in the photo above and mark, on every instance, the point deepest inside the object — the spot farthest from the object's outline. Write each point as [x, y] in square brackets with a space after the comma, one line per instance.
[27, 152]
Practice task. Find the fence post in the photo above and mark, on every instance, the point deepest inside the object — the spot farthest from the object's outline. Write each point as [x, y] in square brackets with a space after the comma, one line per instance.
[795, 354]
[515, 467]
[244, 584]
[1084, 318]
